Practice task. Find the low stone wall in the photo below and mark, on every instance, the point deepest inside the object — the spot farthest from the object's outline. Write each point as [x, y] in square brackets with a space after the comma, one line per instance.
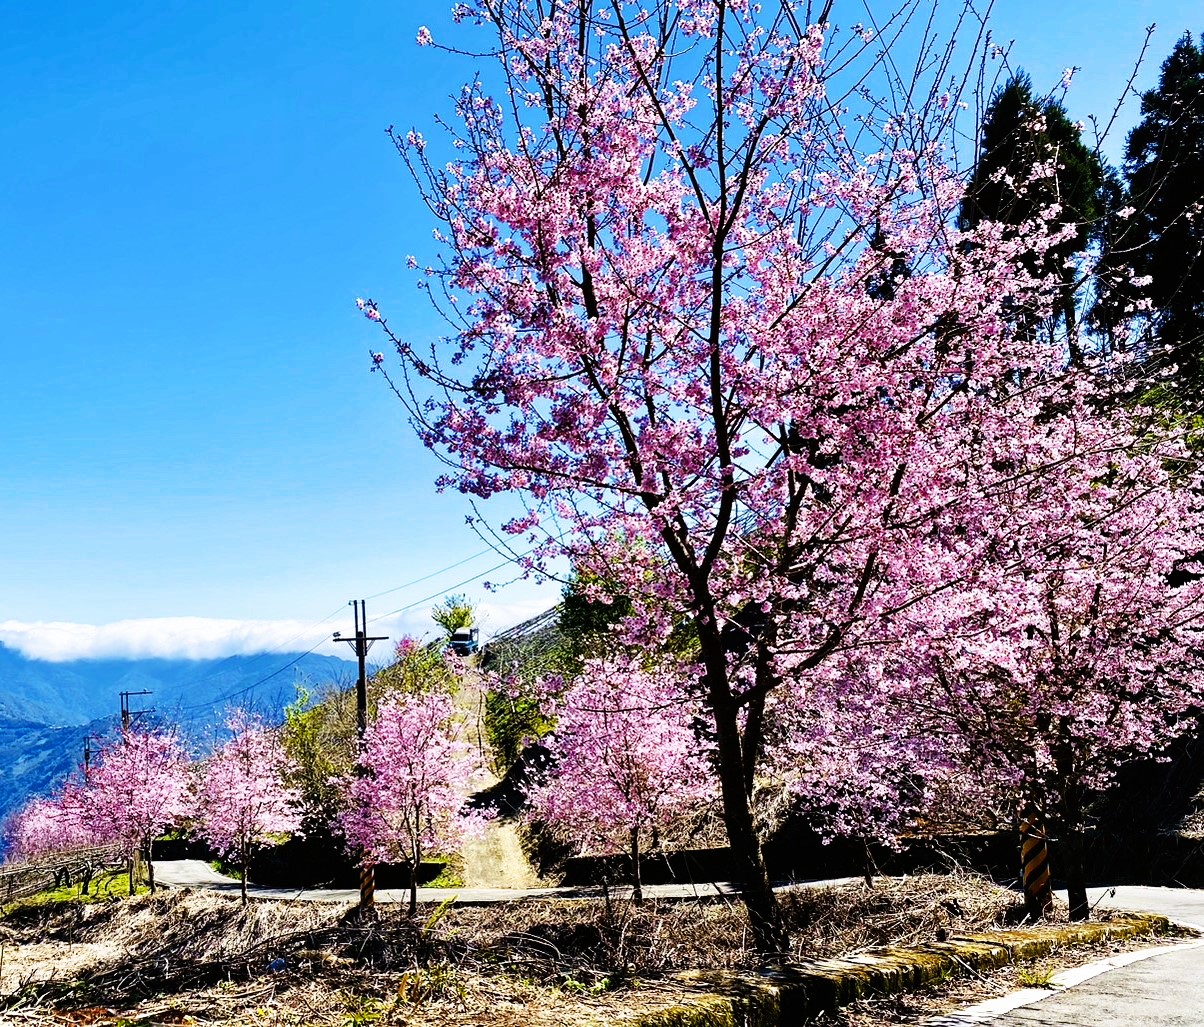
[790, 994]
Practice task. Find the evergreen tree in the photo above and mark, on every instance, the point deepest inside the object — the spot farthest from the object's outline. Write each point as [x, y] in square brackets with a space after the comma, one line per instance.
[1021, 135]
[1157, 253]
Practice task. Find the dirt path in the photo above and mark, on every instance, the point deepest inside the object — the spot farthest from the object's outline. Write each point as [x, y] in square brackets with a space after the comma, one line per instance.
[495, 860]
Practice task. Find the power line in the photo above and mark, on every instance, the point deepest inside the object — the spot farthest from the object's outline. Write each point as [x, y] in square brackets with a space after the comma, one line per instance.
[433, 574]
[444, 591]
[255, 684]
[280, 670]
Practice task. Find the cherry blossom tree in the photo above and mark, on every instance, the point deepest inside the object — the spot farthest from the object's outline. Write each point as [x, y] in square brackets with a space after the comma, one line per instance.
[242, 801]
[1078, 643]
[408, 798]
[47, 824]
[140, 786]
[626, 763]
[723, 337]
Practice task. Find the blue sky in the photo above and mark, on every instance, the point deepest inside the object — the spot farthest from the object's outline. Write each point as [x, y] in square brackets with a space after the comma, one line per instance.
[191, 198]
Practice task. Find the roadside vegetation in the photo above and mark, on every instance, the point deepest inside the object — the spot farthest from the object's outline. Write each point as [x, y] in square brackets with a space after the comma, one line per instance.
[201, 956]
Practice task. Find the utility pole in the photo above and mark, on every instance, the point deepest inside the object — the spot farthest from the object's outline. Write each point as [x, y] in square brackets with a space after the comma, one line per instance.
[361, 644]
[128, 715]
[87, 755]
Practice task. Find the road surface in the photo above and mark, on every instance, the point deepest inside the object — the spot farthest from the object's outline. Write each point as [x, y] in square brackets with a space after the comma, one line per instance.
[1151, 988]
[194, 873]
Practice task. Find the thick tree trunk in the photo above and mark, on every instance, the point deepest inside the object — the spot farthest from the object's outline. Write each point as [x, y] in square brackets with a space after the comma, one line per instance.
[1072, 848]
[1072, 860]
[245, 859]
[764, 914]
[754, 734]
[150, 864]
[1073, 863]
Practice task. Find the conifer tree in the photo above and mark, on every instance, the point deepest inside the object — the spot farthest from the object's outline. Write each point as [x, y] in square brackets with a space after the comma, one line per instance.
[1155, 260]
[1032, 157]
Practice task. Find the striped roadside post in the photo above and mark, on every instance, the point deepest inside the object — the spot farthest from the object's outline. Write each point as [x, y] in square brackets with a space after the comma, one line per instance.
[367, 887]
[1034, 862]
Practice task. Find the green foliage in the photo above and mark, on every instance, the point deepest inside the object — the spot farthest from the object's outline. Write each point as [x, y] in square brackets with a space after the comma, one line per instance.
[1035, 977]
[456, 611]
[361, 1010]
[573, 986]
[319, 737]
[417, 669]
[104, 887]
[511, 718]
[590, 610]
[1162, 237]
[319, 734]
[439, 981]
[1019, 132]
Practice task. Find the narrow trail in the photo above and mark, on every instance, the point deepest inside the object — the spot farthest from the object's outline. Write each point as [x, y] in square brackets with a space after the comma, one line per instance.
[496, 860]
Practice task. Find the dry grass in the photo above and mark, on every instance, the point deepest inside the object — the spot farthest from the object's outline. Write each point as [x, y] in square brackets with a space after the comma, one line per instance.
[527, 963]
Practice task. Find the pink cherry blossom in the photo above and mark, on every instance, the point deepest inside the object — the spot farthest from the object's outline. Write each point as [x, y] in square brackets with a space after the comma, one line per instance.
[724, 345]
[139, 788]
[627, 765]
[242, 801]
[409, 798]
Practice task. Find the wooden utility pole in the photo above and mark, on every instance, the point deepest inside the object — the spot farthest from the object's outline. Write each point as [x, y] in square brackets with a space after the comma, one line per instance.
[361, 644]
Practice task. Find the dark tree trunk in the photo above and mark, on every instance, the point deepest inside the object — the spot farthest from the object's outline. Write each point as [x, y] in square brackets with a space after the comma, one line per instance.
[764, 914]
[1072, 860]
[1071, 857]
[637, 889]
[150, 864]
[245, 859]
[754, 734]
[415, 863]
[868, 866]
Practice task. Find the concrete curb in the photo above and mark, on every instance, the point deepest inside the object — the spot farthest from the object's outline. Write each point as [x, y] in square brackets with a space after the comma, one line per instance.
[787, 995]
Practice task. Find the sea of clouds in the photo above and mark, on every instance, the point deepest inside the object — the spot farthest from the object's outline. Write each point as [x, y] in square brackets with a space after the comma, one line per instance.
[204, 638]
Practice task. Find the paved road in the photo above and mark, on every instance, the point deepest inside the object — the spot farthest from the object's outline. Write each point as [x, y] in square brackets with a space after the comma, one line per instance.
[1137, 990]
[193, 873]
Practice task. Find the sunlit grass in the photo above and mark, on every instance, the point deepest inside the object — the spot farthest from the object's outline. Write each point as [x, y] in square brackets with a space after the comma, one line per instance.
[111, 884]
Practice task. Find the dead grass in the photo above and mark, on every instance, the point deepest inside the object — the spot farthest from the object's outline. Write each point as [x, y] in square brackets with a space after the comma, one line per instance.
[528, 963]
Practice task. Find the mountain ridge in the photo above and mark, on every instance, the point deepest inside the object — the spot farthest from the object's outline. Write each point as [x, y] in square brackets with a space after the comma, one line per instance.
[48, 708]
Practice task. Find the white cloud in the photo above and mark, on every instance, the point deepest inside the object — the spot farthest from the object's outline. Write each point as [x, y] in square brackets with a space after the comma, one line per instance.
[193, 638]
[202, 638]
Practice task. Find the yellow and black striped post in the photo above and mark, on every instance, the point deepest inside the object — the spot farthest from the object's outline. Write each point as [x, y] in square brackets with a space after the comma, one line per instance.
[1034, 862]
[367, 887]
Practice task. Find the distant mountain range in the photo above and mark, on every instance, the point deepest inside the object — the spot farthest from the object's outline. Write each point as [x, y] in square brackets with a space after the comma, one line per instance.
[48, 709]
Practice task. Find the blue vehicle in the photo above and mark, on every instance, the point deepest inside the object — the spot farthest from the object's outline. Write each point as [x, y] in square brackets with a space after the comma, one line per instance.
[465, 641]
